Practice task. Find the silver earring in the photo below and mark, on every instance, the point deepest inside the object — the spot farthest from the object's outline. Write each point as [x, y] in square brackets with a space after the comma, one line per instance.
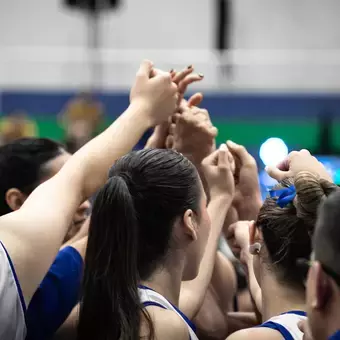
[254, 249]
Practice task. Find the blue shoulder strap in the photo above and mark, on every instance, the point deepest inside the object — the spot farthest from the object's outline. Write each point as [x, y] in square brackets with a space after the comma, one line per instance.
[284, 332]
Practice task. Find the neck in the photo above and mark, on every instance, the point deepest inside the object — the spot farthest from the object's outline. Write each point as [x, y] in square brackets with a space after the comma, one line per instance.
[167, 281]
[278, 298]
[331, 319]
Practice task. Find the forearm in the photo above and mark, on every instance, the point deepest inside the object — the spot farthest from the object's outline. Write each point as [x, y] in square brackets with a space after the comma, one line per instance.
[90, 165]
[254, 287]
[193, 292]
[250, 208]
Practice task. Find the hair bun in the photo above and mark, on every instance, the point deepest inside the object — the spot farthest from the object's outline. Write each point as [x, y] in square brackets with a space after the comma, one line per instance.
[310, 193]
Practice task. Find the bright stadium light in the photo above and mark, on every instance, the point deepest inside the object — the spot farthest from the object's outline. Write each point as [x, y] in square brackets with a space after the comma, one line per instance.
[273, 151]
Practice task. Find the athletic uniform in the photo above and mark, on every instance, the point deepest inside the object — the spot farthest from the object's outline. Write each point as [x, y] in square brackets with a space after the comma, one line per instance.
[149, 297]
[56, 296]
[287, 324]
[12, 303]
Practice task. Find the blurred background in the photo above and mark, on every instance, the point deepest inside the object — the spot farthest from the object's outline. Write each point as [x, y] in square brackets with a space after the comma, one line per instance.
[272, 67]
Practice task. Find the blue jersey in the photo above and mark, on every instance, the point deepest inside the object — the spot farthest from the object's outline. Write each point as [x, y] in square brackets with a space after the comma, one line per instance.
[287, 324]
[56, 296]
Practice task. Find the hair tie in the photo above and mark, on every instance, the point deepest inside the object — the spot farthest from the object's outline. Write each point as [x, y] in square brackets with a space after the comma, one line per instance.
[284, 195]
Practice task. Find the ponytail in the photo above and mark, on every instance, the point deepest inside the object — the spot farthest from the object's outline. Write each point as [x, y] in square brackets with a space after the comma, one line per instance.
[110, 307]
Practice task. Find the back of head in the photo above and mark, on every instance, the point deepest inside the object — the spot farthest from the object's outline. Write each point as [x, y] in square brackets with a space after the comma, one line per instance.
[130, 237]
[22, 165]
[287, 231]
[326, 241]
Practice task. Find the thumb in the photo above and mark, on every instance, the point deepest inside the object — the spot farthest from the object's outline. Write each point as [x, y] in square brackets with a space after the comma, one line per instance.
[195, 100]
[145, 70]
[211, 159]
[278, 174]
[223, 157]
[240, 152]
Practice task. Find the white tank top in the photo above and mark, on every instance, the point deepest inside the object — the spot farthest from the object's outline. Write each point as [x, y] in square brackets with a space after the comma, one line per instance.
[287, 324]
[12, 305]
[149, 297]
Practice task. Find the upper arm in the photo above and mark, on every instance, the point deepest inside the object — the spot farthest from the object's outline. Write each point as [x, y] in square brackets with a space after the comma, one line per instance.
[167, 325]
[33, 234]
[256, 334]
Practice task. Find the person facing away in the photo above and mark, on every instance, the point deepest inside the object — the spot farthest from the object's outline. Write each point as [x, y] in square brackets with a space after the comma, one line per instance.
[281, 237]
[323, 284]
[148, 232]
[25, 164]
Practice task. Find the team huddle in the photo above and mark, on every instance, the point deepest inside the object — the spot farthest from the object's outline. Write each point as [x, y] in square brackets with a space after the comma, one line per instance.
[169, 242]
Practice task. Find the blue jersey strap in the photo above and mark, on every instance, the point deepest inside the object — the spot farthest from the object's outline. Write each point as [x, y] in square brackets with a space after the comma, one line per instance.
[335, 336]
[284, 332]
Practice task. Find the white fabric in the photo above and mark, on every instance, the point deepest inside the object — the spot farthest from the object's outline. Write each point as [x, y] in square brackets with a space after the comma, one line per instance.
[12, 317]
[147, 295]
[290, 322]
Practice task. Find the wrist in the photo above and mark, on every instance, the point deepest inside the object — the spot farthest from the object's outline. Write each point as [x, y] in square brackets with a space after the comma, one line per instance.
[141, 111]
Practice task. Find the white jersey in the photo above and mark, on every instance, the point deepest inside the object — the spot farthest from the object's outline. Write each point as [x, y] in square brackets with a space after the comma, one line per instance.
[149, 297]
[287, 324]
[12, 305]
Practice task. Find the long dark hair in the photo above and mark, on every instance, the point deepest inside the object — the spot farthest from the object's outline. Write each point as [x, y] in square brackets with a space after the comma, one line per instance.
[129, 237]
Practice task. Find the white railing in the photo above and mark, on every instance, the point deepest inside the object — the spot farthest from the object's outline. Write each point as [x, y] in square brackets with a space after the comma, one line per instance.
[254, 70]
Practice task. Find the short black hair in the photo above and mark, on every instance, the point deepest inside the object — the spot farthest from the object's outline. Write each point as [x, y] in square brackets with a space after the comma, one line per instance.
[326, 241]
[22, 165]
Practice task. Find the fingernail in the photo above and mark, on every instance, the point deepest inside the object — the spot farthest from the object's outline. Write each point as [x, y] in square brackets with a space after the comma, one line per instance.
[201, 75]
[190, 66]
[223, 147]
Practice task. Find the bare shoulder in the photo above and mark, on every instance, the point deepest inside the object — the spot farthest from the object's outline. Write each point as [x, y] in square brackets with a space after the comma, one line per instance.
[167, 325]
[259, 333]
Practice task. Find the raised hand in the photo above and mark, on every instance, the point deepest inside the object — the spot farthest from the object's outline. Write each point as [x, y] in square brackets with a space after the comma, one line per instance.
[154, 94]
[183, 79]
[296, 162]
[218, 174]
[192, 134]
[247, 199]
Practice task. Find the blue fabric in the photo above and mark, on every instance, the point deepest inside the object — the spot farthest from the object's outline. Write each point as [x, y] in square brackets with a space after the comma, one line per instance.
[272, 325]
[284, 332]
[335, 336]
[284, 195]
[296, 312]
[56, 296]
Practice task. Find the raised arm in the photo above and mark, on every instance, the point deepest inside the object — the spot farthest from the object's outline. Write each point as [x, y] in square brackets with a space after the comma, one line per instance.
[221, 185]
[33, 234]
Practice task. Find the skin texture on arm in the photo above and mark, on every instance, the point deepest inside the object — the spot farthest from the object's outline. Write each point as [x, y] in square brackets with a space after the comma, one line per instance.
[220, 182]
[212, 319]
[33, 234]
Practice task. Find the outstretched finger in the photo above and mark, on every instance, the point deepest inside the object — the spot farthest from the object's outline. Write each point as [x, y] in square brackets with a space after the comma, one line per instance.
[179, 76]
[192, 78]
